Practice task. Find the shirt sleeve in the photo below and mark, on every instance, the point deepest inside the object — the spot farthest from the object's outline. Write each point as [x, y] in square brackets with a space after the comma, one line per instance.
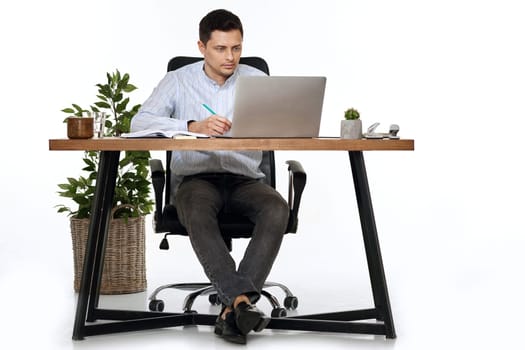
[156, 112]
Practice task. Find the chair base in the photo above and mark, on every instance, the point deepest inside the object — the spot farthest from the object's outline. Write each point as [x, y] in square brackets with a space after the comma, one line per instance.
[200, 289]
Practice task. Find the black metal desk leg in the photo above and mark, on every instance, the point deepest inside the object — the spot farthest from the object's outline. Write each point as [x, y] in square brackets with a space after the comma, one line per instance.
[98, 228]
[371, 241]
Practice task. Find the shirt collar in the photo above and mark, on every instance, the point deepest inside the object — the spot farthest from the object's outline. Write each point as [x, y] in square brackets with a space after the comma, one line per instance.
[231, 79]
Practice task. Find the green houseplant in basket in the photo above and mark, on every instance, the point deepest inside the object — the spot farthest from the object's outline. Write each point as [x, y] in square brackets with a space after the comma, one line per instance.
[131, 201]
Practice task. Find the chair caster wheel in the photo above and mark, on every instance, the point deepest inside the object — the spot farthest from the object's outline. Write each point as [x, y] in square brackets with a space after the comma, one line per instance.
[291, 303]
[214, 299]
[279, 312]
[156, 305]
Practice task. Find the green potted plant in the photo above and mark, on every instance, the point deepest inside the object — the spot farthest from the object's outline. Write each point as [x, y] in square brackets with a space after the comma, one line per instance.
[132, 195]
[351, 126]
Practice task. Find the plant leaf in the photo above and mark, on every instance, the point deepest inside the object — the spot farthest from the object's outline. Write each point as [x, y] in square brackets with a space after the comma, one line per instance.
[102, 105]
[78, 108]
[129, 88]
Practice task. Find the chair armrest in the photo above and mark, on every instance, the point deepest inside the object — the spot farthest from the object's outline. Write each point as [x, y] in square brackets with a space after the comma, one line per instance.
[297, 182]
[158, 179]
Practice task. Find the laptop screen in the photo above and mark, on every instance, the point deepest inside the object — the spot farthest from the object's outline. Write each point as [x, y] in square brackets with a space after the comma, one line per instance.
[277, 106]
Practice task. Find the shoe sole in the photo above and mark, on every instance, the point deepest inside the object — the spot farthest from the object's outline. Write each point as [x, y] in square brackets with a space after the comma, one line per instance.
[262, 324]
[251, 321]
[237, 340]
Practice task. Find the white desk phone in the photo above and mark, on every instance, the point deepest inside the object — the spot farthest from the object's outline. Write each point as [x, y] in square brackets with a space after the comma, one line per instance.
[391, 134]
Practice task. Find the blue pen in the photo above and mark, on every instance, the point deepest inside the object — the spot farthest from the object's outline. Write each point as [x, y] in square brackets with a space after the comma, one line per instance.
[208, 108]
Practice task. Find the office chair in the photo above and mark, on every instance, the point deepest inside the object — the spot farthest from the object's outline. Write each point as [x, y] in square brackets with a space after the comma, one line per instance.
[231, 225]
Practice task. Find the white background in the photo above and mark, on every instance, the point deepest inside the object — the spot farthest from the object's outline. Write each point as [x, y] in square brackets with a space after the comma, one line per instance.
[449, 215]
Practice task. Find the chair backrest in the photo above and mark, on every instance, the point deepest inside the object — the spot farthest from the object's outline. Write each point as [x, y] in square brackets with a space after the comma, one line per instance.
[181, 61]
[268, 160]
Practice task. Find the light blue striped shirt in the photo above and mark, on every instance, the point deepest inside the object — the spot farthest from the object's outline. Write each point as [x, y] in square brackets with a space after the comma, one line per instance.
[177, 99]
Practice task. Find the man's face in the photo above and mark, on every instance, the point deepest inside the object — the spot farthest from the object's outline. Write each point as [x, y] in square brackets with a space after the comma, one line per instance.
[221, 54]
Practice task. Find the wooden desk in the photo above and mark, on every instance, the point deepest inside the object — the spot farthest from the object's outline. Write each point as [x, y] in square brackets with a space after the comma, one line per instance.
[156, 144]
[128, 320]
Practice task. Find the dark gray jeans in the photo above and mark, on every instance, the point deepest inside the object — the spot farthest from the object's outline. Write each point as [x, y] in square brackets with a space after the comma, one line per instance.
[200, 198]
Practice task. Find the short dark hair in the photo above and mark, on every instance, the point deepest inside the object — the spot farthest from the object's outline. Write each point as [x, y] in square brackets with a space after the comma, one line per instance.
[222, 20]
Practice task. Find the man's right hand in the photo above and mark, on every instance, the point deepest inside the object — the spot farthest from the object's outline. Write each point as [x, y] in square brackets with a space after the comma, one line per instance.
[214, 125]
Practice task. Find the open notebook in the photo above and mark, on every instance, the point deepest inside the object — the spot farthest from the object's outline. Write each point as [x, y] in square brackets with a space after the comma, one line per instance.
[163, 133]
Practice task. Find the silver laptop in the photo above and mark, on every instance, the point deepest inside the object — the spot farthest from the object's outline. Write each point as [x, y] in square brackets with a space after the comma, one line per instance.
[277, 106]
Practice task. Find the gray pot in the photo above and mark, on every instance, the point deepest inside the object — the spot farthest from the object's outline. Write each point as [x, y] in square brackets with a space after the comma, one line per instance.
[351, 129]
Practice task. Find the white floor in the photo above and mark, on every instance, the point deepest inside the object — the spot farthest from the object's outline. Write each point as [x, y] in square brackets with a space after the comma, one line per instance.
[444, 295]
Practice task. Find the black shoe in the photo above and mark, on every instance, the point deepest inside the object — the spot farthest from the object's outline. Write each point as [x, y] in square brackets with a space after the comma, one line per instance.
[248, 317]
[227, 329]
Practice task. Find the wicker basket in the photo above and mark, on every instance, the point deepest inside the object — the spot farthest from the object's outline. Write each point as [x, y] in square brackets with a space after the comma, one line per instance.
[124, 263]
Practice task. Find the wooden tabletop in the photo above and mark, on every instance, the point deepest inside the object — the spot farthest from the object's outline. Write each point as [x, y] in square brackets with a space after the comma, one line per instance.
[293, 144]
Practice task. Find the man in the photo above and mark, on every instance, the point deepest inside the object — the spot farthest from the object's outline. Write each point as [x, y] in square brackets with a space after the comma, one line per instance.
[208, 182]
